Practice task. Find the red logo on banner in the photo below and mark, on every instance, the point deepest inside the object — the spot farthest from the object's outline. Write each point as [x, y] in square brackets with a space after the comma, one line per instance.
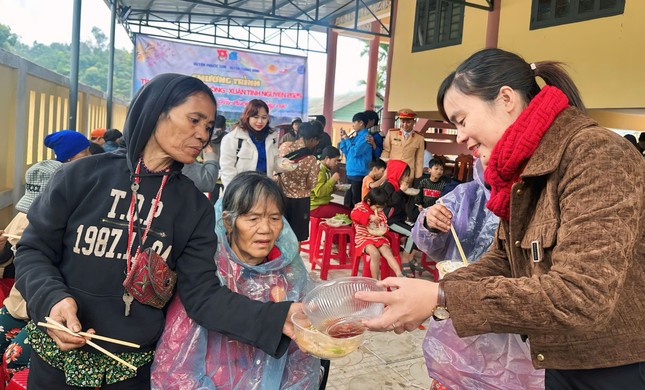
[222, 54]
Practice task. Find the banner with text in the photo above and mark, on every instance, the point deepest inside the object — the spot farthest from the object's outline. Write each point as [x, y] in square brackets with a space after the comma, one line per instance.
[234, 76]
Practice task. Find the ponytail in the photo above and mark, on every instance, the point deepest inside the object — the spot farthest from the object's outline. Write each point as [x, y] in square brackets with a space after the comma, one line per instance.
[553, 73]
[484, 73]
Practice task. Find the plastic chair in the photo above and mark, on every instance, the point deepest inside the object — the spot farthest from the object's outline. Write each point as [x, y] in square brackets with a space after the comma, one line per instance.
[307, 245]
[346, 248]
[395, 244]
[19, 380]
[464, 168]
[429, 266]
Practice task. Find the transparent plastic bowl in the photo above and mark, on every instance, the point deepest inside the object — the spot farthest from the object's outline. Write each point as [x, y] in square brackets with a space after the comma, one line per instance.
[334, 222]
[377, 230]
[332, 308]
[320, 345]
[342, 187]
[447, 266]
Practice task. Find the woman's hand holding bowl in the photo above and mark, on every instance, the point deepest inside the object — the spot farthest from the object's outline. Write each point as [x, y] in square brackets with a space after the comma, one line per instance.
[288, 329]
[410, 302]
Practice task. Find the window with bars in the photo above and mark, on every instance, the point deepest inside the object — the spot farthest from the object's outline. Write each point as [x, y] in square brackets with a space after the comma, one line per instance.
[437, 24]
[548, 13]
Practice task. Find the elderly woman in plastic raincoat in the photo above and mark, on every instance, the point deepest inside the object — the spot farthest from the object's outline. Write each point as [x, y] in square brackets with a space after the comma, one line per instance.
[258, 256]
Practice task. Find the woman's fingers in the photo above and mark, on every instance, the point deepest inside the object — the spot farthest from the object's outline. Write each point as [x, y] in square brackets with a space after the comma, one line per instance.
[438, 217]
[287, 328]
[406, 307]
[65, 341]
[64, 312]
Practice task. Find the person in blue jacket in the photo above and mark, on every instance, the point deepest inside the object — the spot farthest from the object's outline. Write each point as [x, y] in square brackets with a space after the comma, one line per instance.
[358, 154]
[377, 138]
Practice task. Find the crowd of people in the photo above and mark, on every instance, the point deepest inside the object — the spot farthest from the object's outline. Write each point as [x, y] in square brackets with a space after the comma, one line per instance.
[117, 238]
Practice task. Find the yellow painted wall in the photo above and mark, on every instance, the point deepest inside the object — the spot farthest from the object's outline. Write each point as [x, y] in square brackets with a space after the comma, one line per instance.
[119, 113]
[605, 56]
[8, 98]
[8, 80]
[415, 77]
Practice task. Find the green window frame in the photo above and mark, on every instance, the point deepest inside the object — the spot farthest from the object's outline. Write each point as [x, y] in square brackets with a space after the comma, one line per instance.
[437, 23]
[549, 13]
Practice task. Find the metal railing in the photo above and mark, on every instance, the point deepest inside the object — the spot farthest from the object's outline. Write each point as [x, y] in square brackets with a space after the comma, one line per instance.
[33, 104]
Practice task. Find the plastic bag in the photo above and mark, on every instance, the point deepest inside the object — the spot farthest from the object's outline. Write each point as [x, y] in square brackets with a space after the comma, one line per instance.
[487, 361]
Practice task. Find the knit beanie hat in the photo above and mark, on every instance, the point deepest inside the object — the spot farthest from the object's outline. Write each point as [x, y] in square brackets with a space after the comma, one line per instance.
[66, 144]
[36, 178]
[112, 135]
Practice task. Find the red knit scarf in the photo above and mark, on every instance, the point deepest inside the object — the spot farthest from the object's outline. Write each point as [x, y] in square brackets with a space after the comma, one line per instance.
[513, 150]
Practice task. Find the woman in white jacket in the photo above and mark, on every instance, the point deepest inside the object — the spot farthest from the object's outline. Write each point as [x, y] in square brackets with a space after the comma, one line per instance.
[251, 146]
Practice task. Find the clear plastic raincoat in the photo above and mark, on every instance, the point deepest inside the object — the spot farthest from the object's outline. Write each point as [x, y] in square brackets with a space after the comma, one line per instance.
[189, 356]
[474, 223]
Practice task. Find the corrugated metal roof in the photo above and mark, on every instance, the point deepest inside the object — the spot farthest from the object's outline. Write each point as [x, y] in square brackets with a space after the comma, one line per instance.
[263, 21]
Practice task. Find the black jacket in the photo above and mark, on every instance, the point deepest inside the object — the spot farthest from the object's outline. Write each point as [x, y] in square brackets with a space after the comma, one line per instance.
[396, 210]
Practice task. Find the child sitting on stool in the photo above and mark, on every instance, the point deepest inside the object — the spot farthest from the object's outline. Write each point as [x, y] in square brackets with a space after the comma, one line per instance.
[368, 215]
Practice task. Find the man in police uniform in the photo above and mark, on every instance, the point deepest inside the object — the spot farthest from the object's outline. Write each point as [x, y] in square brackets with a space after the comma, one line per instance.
[405, 144]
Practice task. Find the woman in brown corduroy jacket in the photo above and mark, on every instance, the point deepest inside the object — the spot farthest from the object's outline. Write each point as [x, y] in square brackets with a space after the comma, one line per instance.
[567, 267]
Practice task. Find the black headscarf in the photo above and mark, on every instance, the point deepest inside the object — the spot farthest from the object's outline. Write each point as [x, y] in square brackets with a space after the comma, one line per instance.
[146, 108]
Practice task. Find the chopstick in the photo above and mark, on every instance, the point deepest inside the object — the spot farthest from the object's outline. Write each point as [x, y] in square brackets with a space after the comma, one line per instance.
[94, 336]
[61, 327]
[454, 235]
[11, 236]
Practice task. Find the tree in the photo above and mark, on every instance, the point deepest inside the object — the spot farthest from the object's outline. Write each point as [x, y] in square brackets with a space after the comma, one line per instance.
[7, 38]
[99, 38]
[93, 60]
[381, 72]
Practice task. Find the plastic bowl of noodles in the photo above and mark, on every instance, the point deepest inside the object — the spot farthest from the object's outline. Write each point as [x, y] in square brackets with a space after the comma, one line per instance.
[342, 187]
[320, 345]
[377, 230]
[333, 222]
[333, 310]
[447, 266]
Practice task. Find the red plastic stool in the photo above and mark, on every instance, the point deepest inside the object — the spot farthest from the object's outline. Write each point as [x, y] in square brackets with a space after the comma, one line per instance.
[19, 380]
[313, 232]
[345, 236]
[430, 266]
[395, 242]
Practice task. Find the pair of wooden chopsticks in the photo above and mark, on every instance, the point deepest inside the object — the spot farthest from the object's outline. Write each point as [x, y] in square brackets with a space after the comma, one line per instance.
[454, 235]
[11, 236]
[53, 324]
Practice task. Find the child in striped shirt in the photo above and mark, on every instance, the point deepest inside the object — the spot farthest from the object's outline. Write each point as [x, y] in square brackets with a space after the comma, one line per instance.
[367, 215]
